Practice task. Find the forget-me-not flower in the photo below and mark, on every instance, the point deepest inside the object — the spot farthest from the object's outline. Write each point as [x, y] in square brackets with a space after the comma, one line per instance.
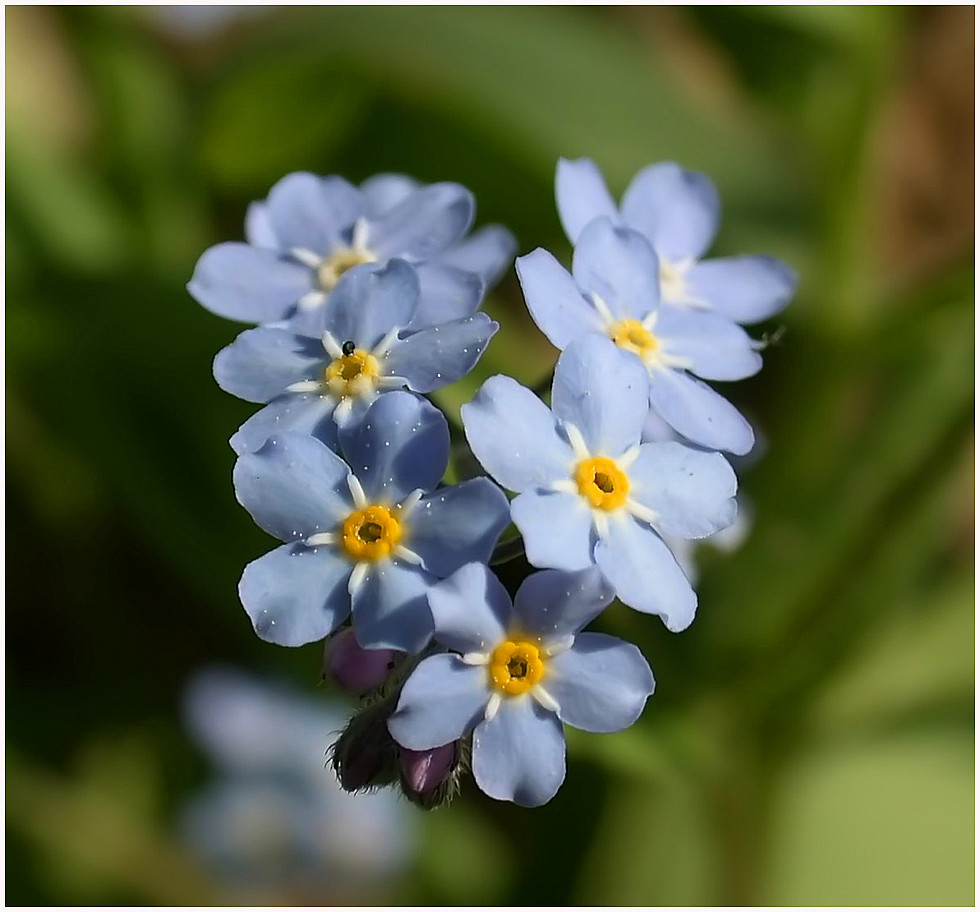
[678, 212]
[273, 817]
[369, 535]
[613, 290]
[310, 230]
[357, 349]
[516, 673]
[590, 492]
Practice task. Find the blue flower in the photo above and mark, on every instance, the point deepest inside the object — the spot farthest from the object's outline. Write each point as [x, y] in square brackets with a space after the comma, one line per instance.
[363, 536]
[678, 212]
[613, 290]
[273, 816]
[726, 540]
[311, 230]
[515, 674]
[357, 349]
[590, 492]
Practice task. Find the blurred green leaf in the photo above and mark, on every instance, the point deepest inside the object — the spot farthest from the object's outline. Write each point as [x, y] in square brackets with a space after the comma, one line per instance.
[851, 437]
[888, 824]
[555, 82]
[918, 659]
[653, 847]
[279, 115]
[66, 209]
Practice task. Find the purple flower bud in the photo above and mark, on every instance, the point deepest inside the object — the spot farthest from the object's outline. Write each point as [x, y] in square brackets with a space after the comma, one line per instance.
[424, 771]
[353, 668]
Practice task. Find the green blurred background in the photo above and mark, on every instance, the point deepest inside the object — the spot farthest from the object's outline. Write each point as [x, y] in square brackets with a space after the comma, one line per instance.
[811, 739]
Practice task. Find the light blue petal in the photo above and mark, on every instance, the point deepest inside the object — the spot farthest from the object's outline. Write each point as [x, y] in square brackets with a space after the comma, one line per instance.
[619, 266]
[296, 595]
[677, 210]
[249, 284]
[390, 609]
[554, 300]
[302, 414]
[424, 223]
[716, 348]
[691, 491]
[655, 429]
[696, 411]
[384, 191]
[519, 754]
[293, 487]
[557, 528]
[554, 604]
[431, 358]
[442, 700]
[456, 525]
[369, 301]
[601, 683]
[513, 435]
[746, 289]
[261, 363]
[312, 213]
[641, 569]
[488, 252]
[446, 293]
[258, 228]
[582, 195]
[471, 609]
[401, 444]
[603, 390]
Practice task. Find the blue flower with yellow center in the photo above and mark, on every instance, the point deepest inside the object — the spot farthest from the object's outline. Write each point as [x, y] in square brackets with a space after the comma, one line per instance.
[311, 230]
[366, 534]
[355, 350]
[515, 673]
[590, 493]
[677, 211]
[613, 291]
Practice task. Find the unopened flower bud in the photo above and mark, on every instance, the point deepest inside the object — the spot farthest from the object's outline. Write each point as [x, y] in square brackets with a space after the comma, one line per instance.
[430, 778]
[353, 668]
[365, 756]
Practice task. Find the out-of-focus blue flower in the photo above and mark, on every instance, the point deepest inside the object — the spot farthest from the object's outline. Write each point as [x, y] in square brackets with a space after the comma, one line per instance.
[678, 212]
[346, 356]
[369, 535]
[590, 492]
[310, 230]
[276, 818]
[516, 673]
[613, 291]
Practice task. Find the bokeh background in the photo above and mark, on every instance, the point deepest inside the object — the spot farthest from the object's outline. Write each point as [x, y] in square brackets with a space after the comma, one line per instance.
[811, 740]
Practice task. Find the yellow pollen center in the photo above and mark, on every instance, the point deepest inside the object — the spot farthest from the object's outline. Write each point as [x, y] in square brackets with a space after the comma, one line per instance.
[515, 667]
[602, 483]
[371, 533]
[635, 337]
[334, 266]
[353, 374]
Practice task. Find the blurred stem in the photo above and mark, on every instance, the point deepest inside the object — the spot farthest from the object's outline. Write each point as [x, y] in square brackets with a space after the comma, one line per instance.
[506, 551]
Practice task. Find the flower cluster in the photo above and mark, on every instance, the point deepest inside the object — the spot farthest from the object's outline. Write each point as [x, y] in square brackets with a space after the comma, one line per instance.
[367, 299]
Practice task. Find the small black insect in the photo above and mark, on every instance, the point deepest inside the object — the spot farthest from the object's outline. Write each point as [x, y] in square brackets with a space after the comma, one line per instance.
[348, 348]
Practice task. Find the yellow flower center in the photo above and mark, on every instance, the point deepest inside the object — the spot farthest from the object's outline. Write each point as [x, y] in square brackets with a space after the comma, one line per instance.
[353, 374]
[515, 667]
[334, 266]
[371, 533]
[635, 337]
[602, 483]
